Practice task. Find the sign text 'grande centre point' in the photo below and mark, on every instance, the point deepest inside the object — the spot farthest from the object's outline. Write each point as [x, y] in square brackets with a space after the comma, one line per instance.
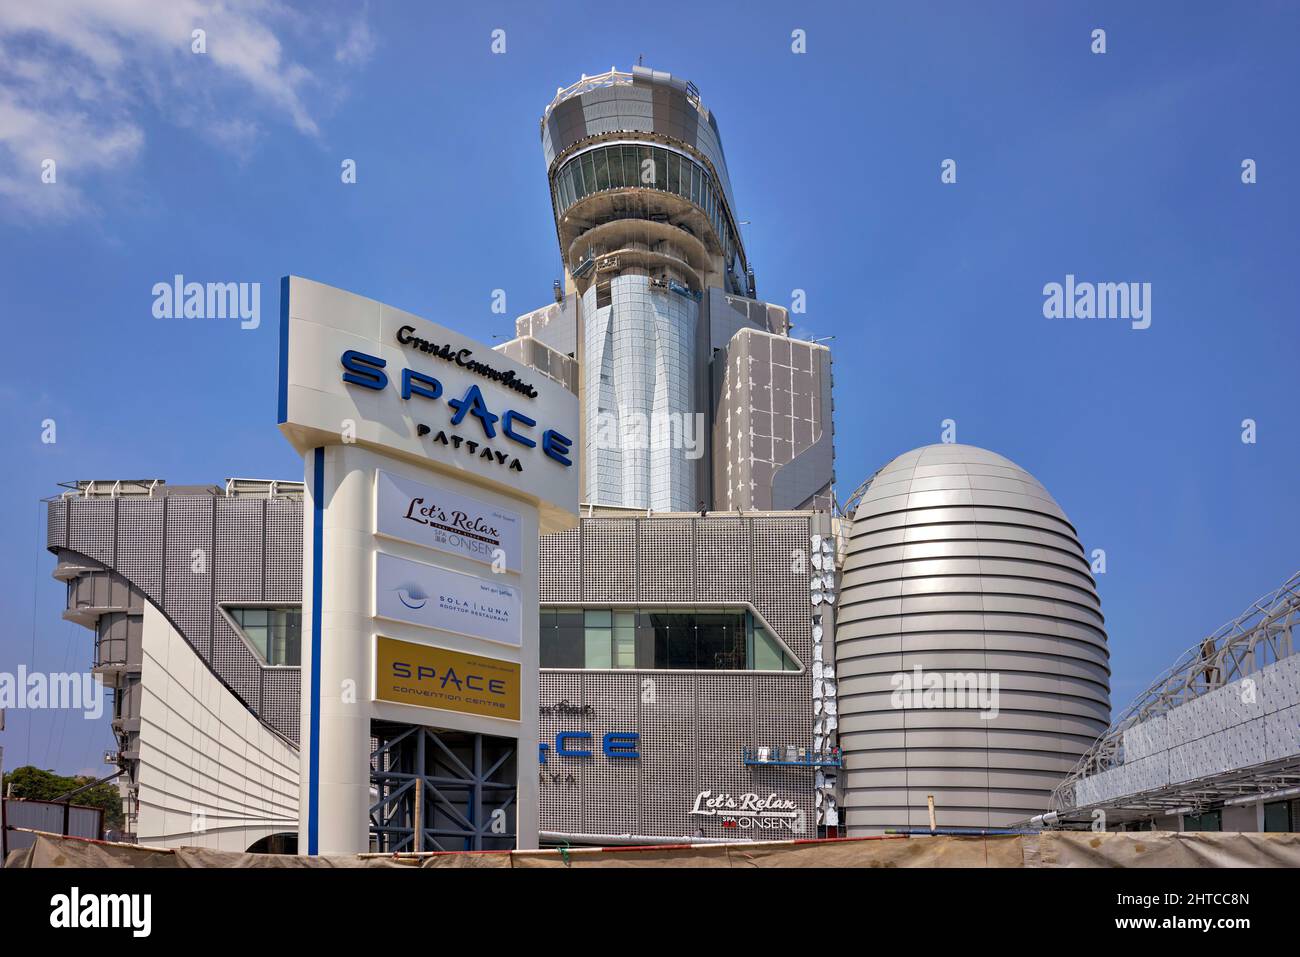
[432, 464]
[365, 372]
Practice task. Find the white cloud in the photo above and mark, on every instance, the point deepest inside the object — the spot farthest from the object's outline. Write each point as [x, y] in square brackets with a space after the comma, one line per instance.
[359, 44]
[76, 75]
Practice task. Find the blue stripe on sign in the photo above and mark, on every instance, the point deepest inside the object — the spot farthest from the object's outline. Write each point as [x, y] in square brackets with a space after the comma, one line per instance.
[313, 773]
[282, 413]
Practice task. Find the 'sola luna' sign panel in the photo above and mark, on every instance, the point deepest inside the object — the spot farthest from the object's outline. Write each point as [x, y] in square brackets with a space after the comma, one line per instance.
[436, 597]
[361, 371]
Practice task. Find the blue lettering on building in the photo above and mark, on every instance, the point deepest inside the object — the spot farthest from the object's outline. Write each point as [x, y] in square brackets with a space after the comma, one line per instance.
[615, 744]
[368, 372]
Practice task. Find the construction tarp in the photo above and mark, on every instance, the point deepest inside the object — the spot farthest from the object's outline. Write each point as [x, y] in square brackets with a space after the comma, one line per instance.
[1049, 849]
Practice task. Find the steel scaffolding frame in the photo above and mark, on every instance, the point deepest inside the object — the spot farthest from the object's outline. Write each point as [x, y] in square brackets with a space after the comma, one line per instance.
[418, 776]
[1262, 634]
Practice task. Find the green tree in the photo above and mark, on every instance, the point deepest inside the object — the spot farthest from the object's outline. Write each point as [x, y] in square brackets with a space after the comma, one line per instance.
[44, 785]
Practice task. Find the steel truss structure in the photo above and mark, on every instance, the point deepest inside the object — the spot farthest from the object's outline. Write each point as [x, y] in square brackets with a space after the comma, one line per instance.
[1262, 634]
[446, 785]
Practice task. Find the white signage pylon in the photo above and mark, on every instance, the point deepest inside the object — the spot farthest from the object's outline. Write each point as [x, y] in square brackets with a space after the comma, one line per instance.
[385, 405]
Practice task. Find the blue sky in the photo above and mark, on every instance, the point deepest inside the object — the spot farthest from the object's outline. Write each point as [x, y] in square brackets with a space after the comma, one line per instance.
[1120, 167]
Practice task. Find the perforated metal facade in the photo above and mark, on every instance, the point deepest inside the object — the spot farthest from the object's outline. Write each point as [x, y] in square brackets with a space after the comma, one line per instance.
[189, 549]
[694, 725]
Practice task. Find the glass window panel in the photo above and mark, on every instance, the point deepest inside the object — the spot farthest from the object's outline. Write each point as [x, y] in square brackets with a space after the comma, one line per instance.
[648, 154]
[681, 641]
[601, 617]
[562, 642]
[1277, 817]
[767, 653]
[614, 156]
[599, 648]
[602, 170]
[631, 166]
[624, 639]
[588, 173]
[661, 168]
[674, 183]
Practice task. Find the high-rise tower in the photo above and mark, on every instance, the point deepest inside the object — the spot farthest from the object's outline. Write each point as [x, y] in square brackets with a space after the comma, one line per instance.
[657, 290]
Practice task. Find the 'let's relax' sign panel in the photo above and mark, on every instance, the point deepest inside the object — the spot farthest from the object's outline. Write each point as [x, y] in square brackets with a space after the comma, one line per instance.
[439, 519]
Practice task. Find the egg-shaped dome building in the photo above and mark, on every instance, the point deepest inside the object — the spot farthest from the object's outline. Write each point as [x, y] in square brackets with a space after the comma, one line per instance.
[970, 646]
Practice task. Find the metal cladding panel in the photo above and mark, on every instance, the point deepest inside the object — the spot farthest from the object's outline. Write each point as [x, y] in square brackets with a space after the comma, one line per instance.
[239, 532]
[188, 556]
[92, 525]
[960, 562]
[56, 525]
[693, 730]
[283, 550]
[236, 664]
[665, 560]
[187, 553]
[694, 726]
[608, 561]
[639, 352]
[722, 569]
[140, 543]
[560, 778]
[614, 784]
[238, 556]
[280, 700]
[559, 560]
[781, 577]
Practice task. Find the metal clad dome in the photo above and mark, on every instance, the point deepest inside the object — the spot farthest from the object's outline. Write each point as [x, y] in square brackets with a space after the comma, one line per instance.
[960, 562]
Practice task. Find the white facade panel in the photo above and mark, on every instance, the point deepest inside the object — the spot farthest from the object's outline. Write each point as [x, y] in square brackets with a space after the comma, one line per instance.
[211, 774]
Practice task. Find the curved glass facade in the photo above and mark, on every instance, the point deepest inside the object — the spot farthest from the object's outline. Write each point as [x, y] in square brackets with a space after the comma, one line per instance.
[644, 167]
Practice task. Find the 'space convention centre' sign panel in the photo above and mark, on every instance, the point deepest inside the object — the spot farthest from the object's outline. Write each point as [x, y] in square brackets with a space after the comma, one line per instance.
[429, 677]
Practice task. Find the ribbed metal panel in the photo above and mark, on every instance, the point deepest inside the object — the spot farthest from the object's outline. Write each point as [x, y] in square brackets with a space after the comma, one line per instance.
[959, 561]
